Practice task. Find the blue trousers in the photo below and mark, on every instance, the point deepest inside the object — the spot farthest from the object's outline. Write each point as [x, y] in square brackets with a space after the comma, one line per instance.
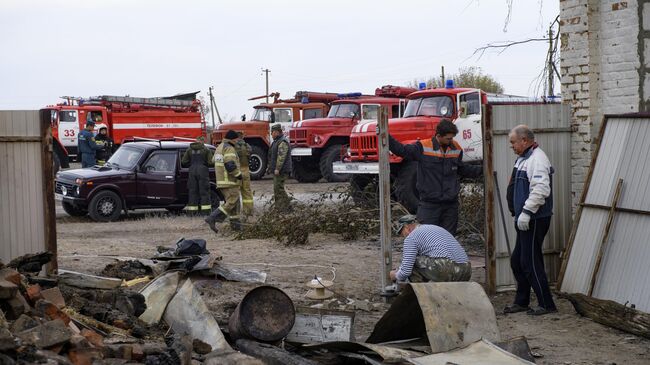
[527, 263]
[88, 160]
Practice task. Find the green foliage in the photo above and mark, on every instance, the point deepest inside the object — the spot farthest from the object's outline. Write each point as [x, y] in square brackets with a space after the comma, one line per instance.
[472, 77]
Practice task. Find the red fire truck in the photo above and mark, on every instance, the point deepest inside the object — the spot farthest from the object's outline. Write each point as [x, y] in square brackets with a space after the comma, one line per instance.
[423, 112]
[257, 131]
[126, 118]
[317, 143]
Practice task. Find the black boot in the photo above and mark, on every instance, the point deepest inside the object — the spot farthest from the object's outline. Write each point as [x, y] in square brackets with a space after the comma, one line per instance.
[212, 223]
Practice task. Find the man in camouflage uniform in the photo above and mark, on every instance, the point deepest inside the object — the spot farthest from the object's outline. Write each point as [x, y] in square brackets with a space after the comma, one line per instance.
[229, 177]
[244, 151]
[198, 156]
[430, 253]
[280, 165]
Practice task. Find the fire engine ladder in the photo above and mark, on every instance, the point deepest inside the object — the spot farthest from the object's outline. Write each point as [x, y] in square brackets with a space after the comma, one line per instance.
[142, 101]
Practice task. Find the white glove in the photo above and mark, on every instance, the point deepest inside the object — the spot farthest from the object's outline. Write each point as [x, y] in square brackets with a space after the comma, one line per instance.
[523, 222]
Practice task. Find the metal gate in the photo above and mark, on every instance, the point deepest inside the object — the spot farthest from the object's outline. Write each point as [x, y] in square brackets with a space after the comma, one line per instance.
[27, 213]
[551, 124]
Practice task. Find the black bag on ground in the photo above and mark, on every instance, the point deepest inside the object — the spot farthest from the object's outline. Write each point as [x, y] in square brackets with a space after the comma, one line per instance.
[191, 247]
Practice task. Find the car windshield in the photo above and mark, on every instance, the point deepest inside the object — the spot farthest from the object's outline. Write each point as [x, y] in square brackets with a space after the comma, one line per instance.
[125, 157]
[263, 114]
[432, 106]
[343, 110]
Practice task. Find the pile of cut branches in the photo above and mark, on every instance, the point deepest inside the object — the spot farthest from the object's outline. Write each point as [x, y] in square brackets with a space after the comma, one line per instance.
[331, 212]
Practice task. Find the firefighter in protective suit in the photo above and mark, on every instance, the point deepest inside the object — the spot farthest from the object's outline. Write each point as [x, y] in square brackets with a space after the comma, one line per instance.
[198, 184]
[244, 151]
[229, 178]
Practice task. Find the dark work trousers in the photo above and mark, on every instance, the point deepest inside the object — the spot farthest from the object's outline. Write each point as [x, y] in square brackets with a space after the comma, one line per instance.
[198, 185]
[527, 264]
[444, 215]
[88, 160]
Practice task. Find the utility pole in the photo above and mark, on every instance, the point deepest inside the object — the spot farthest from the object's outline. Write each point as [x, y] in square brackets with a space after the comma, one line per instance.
[266, 71]
[442, 77]
[384, 200]
[213, 107]
[550, 62]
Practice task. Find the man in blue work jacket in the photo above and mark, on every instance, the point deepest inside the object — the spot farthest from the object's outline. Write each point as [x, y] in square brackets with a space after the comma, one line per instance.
[87, 145]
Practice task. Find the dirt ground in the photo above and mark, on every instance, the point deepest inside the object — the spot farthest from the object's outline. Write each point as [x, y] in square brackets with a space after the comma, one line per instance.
[562, 338]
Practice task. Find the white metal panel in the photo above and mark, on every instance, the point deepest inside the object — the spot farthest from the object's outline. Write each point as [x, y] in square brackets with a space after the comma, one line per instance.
[22, 222]
[622, 277]
[554, 138]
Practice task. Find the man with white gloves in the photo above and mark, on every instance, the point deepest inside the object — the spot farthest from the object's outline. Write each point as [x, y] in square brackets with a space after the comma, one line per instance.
[530, 200]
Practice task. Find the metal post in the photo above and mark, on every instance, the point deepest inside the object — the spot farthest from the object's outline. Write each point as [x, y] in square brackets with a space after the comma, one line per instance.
[384, 199]
[550, 62]
[442, 76]
[266, 71]
[211, 105]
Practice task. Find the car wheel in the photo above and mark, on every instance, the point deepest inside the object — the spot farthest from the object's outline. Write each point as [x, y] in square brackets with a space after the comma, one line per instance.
[332, 154]
[257, 162]
[405, 186]
[306, 171]
[105, 206]
[72, 210]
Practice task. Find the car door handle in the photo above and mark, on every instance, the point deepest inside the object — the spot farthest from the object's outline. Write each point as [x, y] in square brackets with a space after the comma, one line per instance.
[169, 177]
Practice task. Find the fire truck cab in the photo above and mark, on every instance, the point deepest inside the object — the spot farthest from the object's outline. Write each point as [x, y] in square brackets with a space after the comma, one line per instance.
[257, 131]
[318, 143]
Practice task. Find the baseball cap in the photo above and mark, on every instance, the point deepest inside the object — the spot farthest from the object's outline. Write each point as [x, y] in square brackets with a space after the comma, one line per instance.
[403, 221]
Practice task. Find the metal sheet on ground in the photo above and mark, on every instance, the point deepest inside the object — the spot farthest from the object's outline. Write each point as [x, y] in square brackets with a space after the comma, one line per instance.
[157, 295]
[321, 325]
[449, 315]
[388, 354]
[238, 274]
[479, 353]
[187, 313]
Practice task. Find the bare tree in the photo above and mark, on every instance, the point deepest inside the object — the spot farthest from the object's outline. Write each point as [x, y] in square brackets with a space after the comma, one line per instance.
[472, 77]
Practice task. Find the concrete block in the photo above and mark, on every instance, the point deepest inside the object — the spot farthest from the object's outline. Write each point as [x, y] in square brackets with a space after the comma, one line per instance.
[15, 306]
[23, 323]
[93, 337]
[51, 311]
[84, 356]
[7, 341]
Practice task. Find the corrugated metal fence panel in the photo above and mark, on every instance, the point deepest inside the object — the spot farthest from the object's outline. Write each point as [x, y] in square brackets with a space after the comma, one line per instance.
[21, 186]
[554, 137]
[623, 154]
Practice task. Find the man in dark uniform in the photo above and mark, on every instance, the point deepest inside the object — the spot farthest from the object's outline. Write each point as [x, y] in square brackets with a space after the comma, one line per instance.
[280, 165]
[198, 184]
[87, 145]
[102, 139]
[440, 163]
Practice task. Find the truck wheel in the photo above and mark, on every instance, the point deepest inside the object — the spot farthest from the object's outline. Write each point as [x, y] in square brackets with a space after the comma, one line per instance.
[105, 206]
[306, 172]
[364, 190]
[56, 164]
[72, 210]
[331, 155]
[257, 162]
[405, 186]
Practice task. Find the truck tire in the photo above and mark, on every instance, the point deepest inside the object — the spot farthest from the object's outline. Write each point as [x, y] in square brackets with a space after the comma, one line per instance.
[105, 206]
[56, 164]
[364, 190]
[257, 162]
[306, 171]
[331, 155]
[406, 192]
[73, 211]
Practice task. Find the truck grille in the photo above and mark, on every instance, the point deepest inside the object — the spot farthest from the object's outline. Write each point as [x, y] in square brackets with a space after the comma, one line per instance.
[363, 144]
[298, 135]
[70, 188]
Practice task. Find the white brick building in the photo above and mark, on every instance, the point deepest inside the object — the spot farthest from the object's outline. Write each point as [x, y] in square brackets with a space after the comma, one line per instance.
[605, 68]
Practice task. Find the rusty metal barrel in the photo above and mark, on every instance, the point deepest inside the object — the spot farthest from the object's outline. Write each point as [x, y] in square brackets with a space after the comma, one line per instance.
[265, 314]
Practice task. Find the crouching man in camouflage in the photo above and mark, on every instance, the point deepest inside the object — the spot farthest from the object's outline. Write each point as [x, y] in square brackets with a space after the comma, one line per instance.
[430, 254]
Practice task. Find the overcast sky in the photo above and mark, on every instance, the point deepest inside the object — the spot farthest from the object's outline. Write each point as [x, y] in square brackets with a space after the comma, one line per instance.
[84, 48]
